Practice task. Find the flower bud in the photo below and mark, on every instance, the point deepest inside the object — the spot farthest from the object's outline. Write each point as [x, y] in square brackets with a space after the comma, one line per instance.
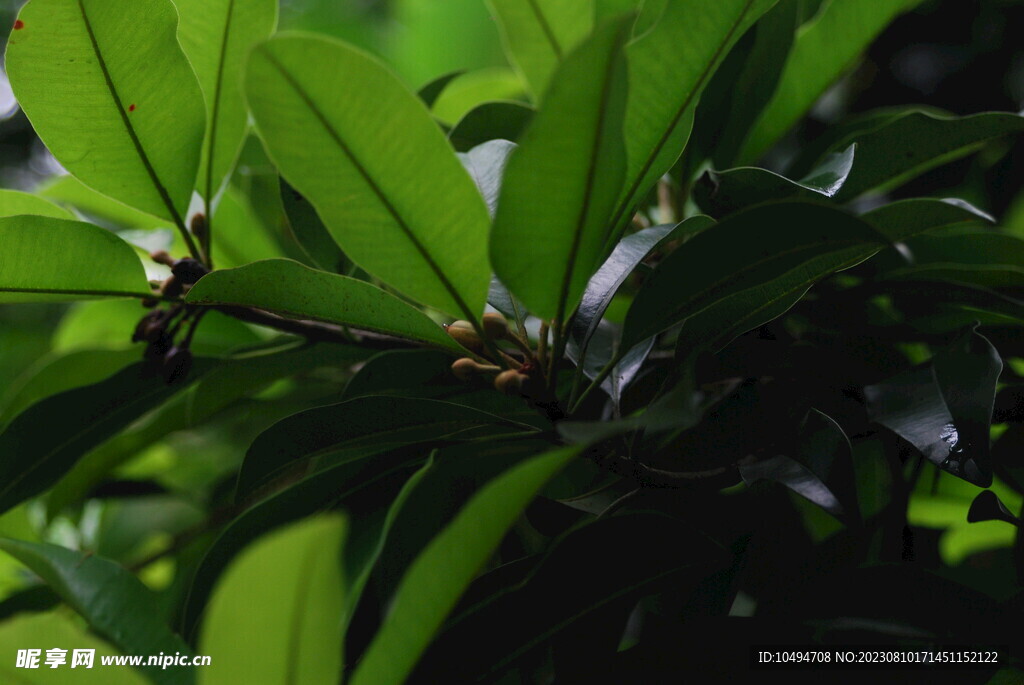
[495, 326]
[172, 287]
[188, 270]
[161, 257]
[510, 382]
[463, 333]
[198, 225]
[464, 369]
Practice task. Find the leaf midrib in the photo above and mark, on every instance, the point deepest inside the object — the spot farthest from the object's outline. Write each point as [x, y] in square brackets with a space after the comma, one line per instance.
[139, 149]
[368, 179]
[585, 208]
[705, 72]
[215, 112]
[546, 28]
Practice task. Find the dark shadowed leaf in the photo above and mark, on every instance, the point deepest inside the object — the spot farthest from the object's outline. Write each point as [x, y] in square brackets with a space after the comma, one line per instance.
[111, 599]
[720, 193]
[825, 49]
[441, 573]
[310, 233]
[988, 507]
[944, 408]
[45, 440]
[820, 467]
[433, 89]
[490, 121]
[915, 142]
[366, 425]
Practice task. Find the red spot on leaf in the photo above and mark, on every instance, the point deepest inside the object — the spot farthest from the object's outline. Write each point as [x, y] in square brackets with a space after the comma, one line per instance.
[131, 108]
[19, 25]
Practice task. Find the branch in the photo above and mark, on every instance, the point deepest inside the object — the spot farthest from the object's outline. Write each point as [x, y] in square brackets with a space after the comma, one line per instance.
[649, 477]
[316, 331]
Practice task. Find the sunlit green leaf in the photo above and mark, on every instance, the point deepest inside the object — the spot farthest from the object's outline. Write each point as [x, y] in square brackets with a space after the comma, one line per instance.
[118, 104]
[538, 34]
[400, 206]
[55, 259]
[216, 36]
[561, 183]
[825, 49]
[292, 290]
[15, 202]
[293, 633]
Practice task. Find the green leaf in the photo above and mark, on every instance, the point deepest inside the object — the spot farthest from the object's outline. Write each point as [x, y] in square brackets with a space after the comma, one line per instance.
[116, 605]
[472, 89]
[432, 90]
[363, 488]
[739, 255]
[441, 573]
[293, 632]
[56, 373]
[241, 237]
[46, 440]
[819, 467]
[562, 182]
[538, 34]
[669, 66]
[723, 192]
[246, 375]
[295, 291]
[310, 233]
[15, 202]
[56, 260]
[905, 218]
[357, 427]
[72, 193]
[741, 87]
[825, 49]
[490, 121]
[561, 595]
[624, 259]
[36, 630]
[118, 104]
[915, 142]
[328, 115]
[216, 36]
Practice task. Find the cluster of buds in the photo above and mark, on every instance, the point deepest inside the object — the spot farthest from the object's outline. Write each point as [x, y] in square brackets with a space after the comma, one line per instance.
[159, 326]
[524, 378]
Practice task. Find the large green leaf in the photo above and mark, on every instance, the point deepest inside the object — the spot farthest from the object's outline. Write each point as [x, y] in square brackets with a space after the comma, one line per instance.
[46, 439]
[441, 573]
[364, 425]
[400, 206]
[216, 36]
[56, 259]
[825, 49]
[54, 628]
[538, 34]
[15, 202]
[762, 256]
[917, 141]
[561, 184]
[295, 291]
[241, 237]
[472, 89]
[292, 634]
[117, 104]
[111, 599]
[69, 192]
[669, 66]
